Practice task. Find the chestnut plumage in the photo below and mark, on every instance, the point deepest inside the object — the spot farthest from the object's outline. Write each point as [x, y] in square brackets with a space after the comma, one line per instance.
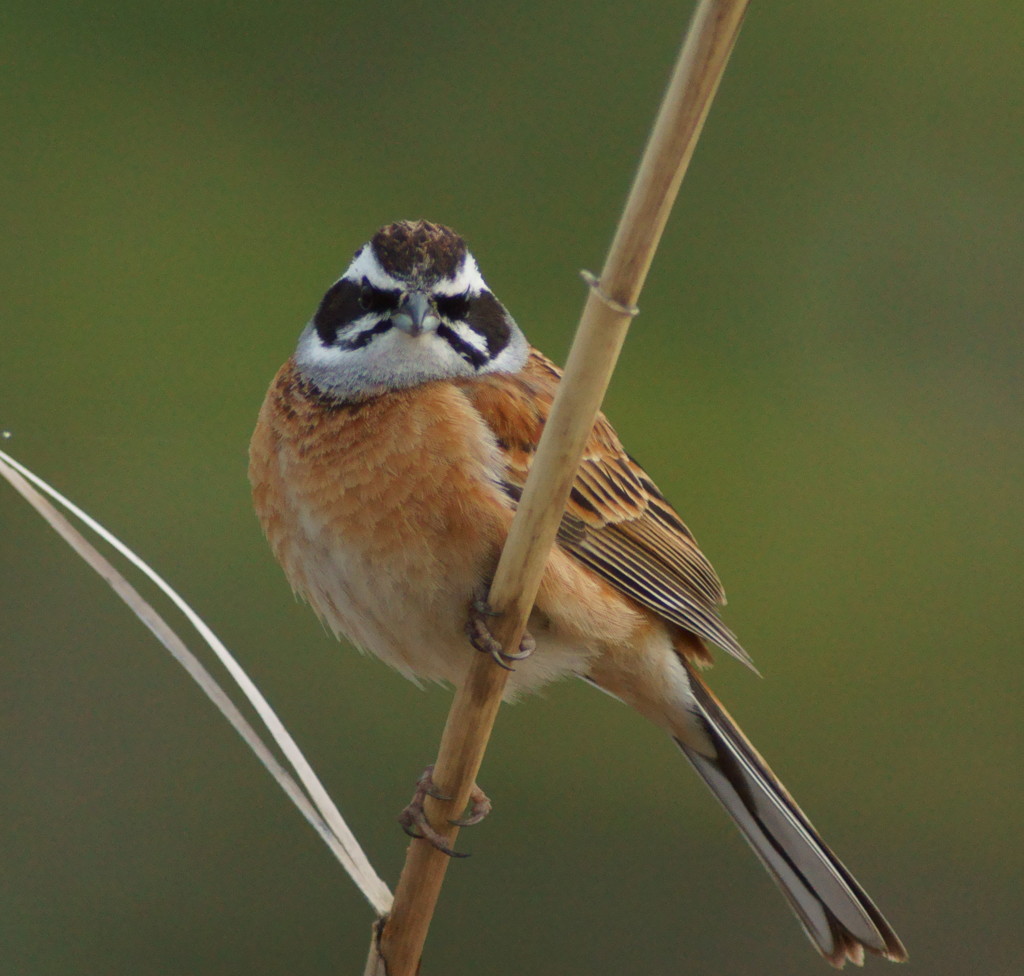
[386, 466]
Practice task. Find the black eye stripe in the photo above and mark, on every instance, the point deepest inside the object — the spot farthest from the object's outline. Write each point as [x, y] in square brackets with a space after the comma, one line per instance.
[487, 316]
[374, 299]
[347, 301]
[483, 313]
[339, 306]
[452, 307]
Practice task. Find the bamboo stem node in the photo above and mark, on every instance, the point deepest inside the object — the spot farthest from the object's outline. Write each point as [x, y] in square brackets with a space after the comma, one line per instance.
[594, 284]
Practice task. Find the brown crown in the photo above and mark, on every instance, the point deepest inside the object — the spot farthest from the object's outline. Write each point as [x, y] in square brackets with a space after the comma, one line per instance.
[419, 249]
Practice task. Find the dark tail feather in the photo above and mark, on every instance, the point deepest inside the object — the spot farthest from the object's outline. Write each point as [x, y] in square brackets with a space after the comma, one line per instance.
[838, 916]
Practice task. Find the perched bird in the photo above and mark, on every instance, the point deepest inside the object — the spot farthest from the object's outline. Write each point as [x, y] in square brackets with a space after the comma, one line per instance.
[386, 465]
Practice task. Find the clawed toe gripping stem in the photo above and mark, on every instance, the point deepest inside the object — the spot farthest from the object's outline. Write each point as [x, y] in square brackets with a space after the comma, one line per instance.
[413, 818]
[479, 632]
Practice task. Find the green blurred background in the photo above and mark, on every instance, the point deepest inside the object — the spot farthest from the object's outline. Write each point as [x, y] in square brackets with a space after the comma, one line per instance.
[825, 378]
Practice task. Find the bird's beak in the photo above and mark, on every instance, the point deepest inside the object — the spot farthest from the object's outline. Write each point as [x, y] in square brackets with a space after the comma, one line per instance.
[415, 314]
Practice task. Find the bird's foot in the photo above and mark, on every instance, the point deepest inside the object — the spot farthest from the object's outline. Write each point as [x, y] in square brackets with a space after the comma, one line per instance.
[480, 636]
[413, 818]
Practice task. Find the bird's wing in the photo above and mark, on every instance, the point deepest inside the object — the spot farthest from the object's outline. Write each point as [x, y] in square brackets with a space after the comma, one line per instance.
[616, 522]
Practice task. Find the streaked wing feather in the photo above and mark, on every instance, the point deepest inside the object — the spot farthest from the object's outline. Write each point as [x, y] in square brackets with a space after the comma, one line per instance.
[617, 522]
[633, 570]
[687, 561]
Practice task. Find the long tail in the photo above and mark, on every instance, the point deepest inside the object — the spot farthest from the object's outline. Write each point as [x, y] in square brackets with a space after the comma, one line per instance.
[836, 913]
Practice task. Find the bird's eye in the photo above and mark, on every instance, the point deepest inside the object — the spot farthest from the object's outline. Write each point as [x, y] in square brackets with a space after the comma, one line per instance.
[374, 299]
[453, 307]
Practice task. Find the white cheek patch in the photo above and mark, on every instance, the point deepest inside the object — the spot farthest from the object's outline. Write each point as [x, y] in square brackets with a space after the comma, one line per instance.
[469, 336]
[355, 333]
[313, 358]
[392, 360]
[513, 357]
[397, 360]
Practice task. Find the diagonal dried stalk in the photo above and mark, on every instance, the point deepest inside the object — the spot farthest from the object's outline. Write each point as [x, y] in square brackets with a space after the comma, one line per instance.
[607, 314]
[304, 789]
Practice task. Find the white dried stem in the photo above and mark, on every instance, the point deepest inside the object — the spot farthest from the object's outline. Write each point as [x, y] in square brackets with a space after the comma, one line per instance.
[314, 803]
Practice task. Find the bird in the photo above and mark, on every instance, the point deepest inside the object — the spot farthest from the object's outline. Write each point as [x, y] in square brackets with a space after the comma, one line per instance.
[386, 466]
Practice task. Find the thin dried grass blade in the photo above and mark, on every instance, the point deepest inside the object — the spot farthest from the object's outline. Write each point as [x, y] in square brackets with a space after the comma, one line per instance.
[314, 803]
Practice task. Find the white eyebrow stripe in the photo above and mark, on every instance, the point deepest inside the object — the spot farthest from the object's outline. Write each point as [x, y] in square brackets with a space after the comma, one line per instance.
[365, 265]
[467, 279]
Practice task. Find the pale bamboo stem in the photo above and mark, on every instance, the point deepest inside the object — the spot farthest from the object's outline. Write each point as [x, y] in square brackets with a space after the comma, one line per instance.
[606, 317]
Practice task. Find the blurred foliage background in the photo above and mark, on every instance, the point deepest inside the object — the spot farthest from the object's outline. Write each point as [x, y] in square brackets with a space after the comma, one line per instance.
[825, 378]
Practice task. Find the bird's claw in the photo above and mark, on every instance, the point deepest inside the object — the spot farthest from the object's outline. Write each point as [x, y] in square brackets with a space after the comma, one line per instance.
[413, 819]
[480, 806]
[480, 636]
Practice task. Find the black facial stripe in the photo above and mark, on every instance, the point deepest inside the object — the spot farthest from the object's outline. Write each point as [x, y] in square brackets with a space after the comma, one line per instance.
[345, 302]
[452, 307]
[374, 299]
[473, 356]
[365, 337]
[487, 316]
[339, 307]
